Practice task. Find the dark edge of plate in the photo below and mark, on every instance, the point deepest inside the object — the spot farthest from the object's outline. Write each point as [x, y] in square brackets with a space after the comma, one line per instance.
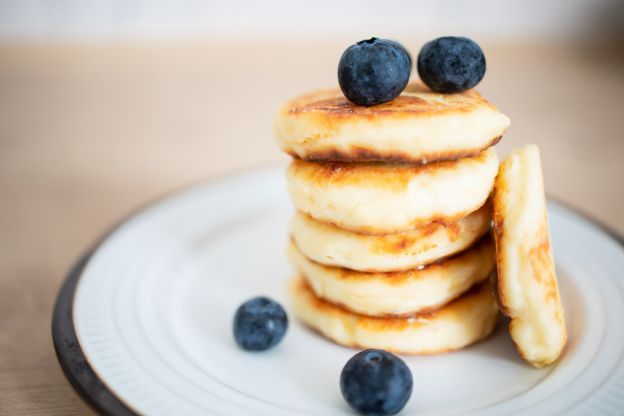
[70, 355]
[75, 364]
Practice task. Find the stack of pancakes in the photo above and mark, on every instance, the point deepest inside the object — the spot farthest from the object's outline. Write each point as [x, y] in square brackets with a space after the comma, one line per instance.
[391, 235]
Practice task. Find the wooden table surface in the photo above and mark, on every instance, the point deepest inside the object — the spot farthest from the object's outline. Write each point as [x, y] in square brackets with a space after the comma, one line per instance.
[88, 133]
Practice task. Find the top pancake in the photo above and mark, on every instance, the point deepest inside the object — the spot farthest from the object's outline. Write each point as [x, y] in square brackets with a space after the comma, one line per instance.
[419, 126]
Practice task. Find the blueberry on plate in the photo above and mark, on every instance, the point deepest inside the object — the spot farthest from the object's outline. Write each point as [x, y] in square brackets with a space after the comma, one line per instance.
[451, 64]
[259, 324]
[376, 382]
[374, 71]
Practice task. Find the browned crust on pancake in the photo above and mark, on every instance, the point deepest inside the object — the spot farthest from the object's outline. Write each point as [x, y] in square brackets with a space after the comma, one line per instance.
[542, 264]
[445, 221]
[355, 345]
[396, 243]
[380, 175]
[500, 188]
[498, 231]
[397, 322]
[399, 276]
[363, 154]
[544, 273]
[539, 255]
[332, 104]
[426, 312]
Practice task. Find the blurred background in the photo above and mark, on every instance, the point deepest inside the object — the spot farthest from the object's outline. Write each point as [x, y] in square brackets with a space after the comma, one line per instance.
[107, 104]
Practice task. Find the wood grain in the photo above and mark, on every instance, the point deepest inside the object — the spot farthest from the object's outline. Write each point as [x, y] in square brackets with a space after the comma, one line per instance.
[90, 132]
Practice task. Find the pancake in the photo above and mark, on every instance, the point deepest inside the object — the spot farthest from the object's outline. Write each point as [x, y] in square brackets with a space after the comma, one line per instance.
[373, 198]
[419, 126]
[464, 321]
[527, 283]
[397, 293]
[333, 246]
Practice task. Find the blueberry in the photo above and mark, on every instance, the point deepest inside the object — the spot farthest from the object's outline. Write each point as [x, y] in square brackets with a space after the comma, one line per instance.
[374, 71]
[451, 64]
[259, 324]
[376, 382]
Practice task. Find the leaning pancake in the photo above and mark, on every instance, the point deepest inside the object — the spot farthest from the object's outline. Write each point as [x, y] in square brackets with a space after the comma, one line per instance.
[527, 284]
[418, 126]
[333, 246]
[397, 293]
[373, 198]
[462, 322]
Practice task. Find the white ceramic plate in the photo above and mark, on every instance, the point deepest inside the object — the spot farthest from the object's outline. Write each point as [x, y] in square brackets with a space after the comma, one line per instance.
[153, 308]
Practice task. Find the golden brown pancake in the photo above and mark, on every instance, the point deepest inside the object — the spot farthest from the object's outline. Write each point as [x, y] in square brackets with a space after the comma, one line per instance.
[419, 126]
[462, 322]
[527, 282]
[397, 293]
[333, 246]
[377, 198]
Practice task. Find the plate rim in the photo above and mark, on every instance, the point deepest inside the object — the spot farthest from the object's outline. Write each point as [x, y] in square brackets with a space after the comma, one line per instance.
[69, 353]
